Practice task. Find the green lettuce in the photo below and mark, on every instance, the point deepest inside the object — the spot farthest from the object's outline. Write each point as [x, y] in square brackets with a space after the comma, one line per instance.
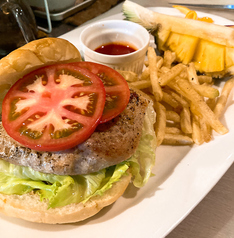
[64, 190]
[143, 160]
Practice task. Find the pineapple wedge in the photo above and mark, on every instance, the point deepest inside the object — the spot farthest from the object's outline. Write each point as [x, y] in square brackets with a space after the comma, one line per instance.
[209, 46]
[184, 46]
[229, 54]
[209, 56]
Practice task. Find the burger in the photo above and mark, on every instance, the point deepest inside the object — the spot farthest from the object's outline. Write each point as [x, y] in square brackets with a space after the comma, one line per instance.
[73, 135]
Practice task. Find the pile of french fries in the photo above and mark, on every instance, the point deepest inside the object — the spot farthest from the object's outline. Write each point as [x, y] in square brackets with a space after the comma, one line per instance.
[187, 105]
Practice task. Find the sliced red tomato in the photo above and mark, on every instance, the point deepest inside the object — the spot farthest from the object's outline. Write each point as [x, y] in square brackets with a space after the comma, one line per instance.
[54, 108]
[117, 90]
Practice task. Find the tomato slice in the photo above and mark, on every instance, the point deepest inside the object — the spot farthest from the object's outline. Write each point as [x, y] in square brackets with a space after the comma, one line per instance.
[54, 108]
[117, 90]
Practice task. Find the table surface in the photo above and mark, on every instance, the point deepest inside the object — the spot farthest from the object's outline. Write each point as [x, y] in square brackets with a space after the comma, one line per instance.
[214, 215]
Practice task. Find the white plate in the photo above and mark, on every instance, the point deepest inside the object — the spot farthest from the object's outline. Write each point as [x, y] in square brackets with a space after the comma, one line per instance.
[183, 176]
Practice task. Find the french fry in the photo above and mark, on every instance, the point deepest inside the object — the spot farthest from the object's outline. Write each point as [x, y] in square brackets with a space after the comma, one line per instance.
[175, 139]
[183, 74]
[157, 91]
[163, 70]
[204, 126]
[167, 77]
[145, 74]
[146, 63]
[141, 84]
[211, 102]
[180, 99]
[192, 74]
[204, 79]
[170, 100]
[169, 58]
[222, 100]
[206, 130]
[173, 130]
[194, 109]
[173, 116]
[185, 120]
[176, 88]
[206, 91]
[159, 62]
[202, 107]
[196, 134]
[160, 124]
[129, 75]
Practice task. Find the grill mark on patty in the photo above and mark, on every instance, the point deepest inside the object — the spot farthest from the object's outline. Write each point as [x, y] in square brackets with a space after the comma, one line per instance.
[111, 143]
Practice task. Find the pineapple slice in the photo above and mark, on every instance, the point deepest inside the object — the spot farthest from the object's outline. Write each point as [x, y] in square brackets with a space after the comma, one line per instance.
[229, 54]
[183, 45]
[209, 57]
[209, 46]
[161, 37]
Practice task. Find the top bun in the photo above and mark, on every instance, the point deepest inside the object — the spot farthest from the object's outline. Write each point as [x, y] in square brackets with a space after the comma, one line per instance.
[31, 56]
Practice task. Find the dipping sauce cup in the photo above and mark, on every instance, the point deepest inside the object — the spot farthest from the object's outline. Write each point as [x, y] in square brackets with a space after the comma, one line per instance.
[115, 31]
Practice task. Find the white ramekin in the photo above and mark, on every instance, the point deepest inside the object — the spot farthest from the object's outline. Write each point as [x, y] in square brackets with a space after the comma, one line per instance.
[108, 31]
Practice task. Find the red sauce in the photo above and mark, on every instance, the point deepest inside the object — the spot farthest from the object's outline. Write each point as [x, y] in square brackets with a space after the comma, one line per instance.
[115, 49]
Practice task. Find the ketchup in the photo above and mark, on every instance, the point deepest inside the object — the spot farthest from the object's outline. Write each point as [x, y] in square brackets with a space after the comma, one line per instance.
[115, 48]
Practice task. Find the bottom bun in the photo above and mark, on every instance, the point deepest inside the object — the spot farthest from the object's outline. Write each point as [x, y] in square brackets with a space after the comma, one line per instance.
[30, 208]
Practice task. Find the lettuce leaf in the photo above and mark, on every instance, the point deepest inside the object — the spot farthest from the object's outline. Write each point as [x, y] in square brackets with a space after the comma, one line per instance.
[64, 190]
[143, 160]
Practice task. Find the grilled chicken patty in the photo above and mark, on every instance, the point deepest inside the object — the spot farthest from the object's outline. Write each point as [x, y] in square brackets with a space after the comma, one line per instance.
[110, 144]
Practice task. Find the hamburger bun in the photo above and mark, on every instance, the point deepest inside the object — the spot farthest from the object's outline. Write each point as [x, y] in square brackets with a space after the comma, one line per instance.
[30, 208]
[31, 56]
